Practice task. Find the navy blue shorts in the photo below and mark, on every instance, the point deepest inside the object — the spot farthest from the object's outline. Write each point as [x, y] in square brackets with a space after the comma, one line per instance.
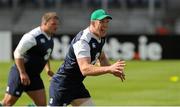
[15, 87]
[63, 90]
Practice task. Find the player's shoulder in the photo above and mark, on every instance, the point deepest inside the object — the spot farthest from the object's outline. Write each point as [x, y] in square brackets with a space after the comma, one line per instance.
[35, 32]
[86, 35]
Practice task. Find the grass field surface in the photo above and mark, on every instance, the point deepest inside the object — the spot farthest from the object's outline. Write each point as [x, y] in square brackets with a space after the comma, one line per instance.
[148, 83]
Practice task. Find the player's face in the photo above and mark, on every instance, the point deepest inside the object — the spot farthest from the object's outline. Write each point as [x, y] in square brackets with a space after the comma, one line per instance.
[101, 27]
[52, 25]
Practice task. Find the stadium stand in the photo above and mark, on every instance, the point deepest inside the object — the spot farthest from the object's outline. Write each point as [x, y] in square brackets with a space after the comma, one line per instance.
[6, 19]
[129, 16]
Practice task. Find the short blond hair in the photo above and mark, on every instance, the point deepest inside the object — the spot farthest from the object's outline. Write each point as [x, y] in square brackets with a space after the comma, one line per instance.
[49, 15]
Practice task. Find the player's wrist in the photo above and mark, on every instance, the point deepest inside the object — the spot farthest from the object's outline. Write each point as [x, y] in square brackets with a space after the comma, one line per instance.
[107, 69]
[48, 71]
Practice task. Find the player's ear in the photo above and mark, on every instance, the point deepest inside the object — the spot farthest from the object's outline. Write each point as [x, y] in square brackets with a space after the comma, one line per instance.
[45, 23]
[93, 23]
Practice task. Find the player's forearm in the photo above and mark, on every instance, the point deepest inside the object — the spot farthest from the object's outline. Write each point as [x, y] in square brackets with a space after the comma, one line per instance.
[91, 70]
[20, 65]
[48, 69]
[103, 60]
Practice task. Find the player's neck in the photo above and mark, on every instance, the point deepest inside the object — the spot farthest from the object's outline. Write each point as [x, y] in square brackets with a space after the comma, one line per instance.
[92, 30]
[46, 32]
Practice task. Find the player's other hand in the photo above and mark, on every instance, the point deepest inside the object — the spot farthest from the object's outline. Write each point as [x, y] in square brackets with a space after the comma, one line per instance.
[120, 75]
[50, 73]
[117, 69]
[25, 79]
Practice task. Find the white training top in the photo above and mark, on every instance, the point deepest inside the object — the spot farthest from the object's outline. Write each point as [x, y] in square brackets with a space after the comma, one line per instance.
[81, 47]
[28, 41]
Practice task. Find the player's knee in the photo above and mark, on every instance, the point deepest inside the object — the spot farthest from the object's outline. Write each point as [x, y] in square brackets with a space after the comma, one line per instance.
[82, 102]
[9, 100]
[87, 102]
[6, 103]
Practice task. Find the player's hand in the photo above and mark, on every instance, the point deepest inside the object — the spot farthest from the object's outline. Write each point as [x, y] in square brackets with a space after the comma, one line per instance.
[50, 73]
[120, 75]
[117, 69]
[25, 79]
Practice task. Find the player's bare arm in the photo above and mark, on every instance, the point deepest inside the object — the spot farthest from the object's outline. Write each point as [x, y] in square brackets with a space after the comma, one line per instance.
[88, 69]
[104, 62]
[119, 71]
[103, 59]
[48, 69]
[25, 44]
[23, 75]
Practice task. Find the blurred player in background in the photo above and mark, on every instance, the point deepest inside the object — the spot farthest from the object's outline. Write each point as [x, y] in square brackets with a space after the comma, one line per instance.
[31, 57]
[85, 49]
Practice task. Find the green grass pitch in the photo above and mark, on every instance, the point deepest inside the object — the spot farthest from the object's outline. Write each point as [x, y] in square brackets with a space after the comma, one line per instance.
[147, 83]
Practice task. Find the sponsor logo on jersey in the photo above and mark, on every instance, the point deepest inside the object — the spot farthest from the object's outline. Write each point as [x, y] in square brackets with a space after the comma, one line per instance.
[93, 45]
[42, 40]
[17, 93]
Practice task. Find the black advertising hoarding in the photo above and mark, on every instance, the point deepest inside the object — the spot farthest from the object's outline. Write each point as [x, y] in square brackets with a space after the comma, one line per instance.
[127, 47]
[145, 47]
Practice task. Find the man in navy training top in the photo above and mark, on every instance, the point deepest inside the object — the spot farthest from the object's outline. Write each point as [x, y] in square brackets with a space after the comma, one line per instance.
[85, 49]
[31, 57]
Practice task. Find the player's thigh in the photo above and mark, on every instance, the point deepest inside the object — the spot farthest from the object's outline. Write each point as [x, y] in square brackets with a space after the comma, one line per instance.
[82, 102]
[36, 90]
[58, 94]
[38, 96]
[82, 96]
[9, 100]
[14, 86]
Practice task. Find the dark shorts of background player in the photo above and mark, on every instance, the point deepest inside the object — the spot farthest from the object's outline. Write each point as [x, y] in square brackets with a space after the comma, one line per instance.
[15, 87]
[63, 90]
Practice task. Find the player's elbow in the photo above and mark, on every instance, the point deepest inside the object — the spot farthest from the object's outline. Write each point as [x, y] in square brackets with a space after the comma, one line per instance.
[84, 71]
